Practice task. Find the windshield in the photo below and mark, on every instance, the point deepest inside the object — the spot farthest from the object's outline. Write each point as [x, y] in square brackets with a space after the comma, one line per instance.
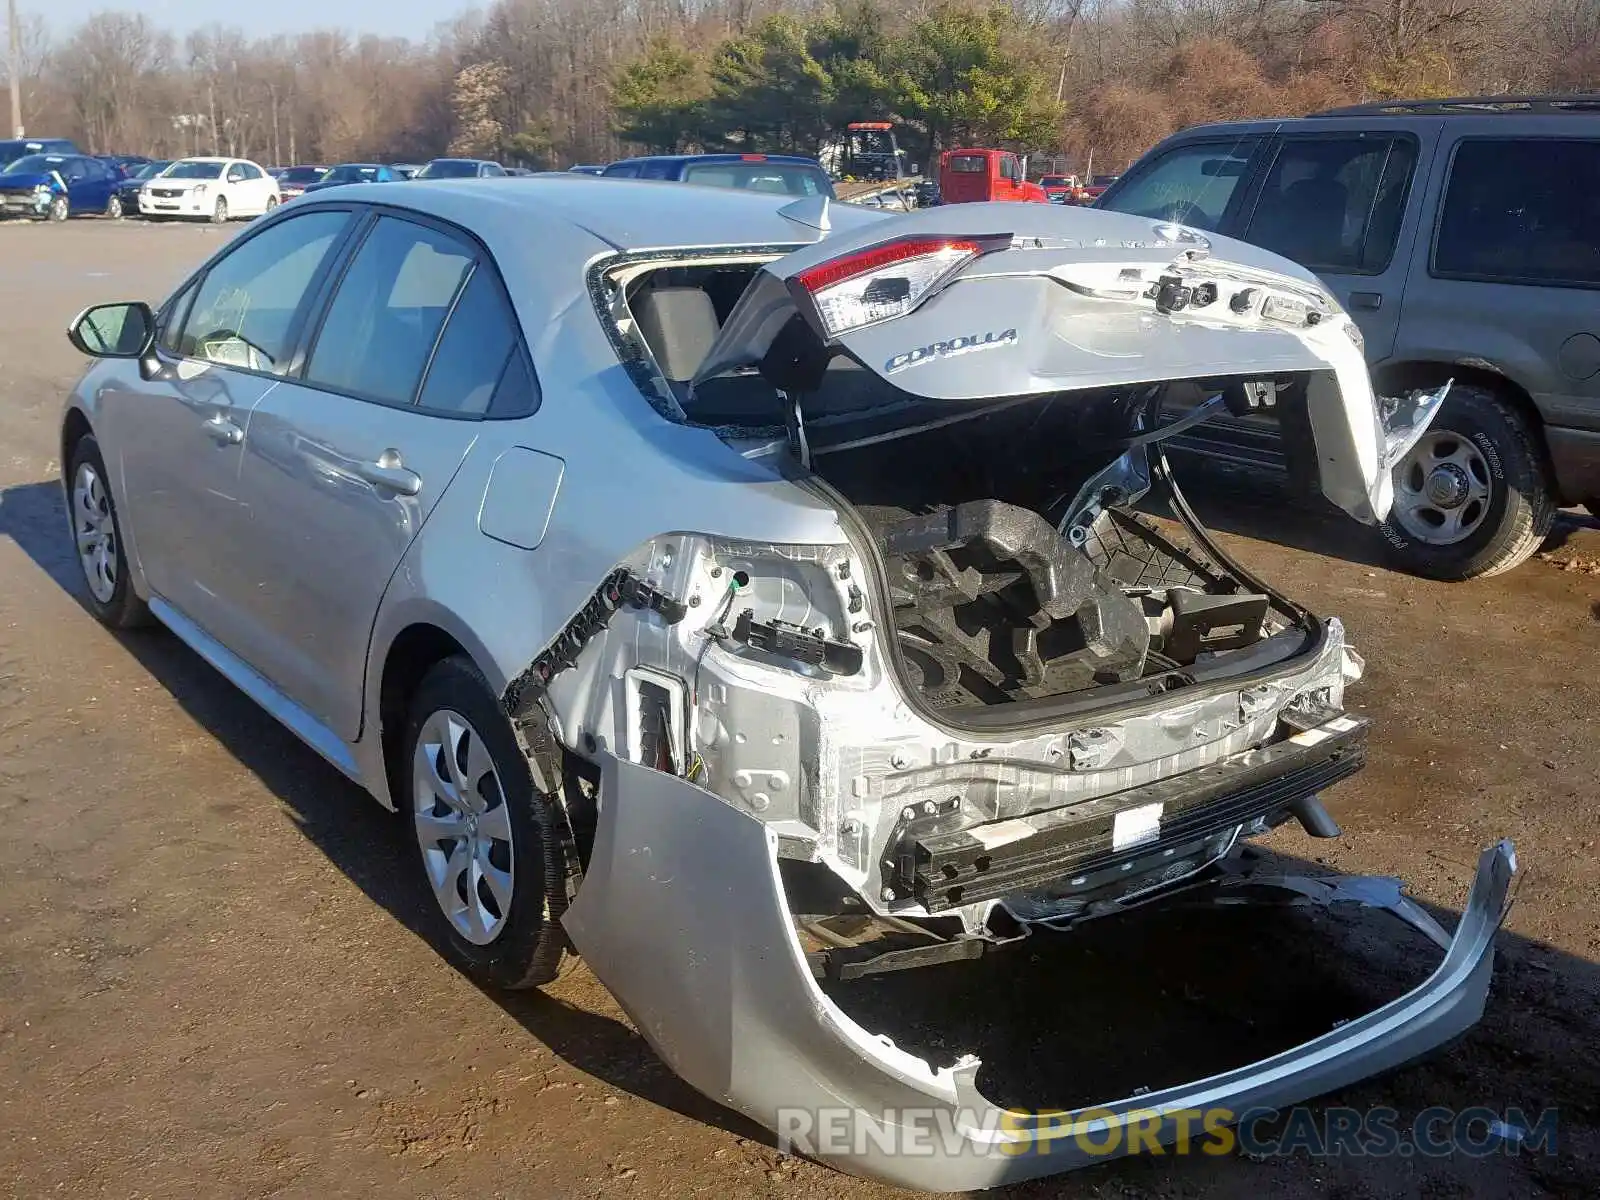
[193, 170]
[301, 175]
[787, 179]
[448, 168]
[150, 170]
[350, 173]
[1103, 180]
[36, 164]
[1053, 181]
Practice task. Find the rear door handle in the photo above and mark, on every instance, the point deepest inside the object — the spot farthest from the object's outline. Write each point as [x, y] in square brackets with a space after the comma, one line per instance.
[223, 431]
[1368, 301]
[391, 474]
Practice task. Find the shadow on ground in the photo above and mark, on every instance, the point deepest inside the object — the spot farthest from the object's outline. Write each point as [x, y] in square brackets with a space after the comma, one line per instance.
[1137, 1002]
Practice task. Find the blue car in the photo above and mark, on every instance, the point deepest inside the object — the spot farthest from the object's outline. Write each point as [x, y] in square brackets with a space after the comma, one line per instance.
[127, 190]
[355, 173]
[14, 148]
[56, 186]
[782, 174]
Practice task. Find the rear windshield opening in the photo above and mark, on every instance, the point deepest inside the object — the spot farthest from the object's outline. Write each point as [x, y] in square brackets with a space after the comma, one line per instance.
[673, 314]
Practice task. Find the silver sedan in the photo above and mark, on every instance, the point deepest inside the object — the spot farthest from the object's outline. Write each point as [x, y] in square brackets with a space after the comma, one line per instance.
[742, 591]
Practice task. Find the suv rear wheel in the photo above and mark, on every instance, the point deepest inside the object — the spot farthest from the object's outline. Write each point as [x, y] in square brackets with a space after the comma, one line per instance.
[1473, 498]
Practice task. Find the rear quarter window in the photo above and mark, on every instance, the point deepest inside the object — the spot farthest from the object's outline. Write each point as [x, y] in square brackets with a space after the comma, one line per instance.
[1521, 211]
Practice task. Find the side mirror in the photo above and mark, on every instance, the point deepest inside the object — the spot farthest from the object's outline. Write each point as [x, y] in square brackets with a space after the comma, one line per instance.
[126, 330]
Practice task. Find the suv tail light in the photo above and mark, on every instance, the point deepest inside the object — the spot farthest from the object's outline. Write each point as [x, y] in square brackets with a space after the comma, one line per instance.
[882, 282]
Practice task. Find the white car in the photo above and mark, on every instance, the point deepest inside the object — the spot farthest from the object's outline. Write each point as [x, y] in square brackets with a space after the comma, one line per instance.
[217, 189]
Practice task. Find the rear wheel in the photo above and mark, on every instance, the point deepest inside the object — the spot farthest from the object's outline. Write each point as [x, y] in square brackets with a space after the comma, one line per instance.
[1473, 498]
[487, 842]
[97, 538]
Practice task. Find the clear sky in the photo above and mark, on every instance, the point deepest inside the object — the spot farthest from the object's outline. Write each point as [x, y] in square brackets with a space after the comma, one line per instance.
[403, 18]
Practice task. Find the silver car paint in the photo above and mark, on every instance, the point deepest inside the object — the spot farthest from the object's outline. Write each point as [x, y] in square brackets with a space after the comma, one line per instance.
[683, 918]
[799, 766]
[1063, 286]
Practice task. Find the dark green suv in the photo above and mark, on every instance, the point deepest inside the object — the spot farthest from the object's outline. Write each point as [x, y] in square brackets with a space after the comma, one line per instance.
[1464, 238]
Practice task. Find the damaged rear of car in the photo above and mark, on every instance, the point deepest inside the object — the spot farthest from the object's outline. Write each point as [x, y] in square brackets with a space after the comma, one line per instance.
[1001, 699]
[753, 595]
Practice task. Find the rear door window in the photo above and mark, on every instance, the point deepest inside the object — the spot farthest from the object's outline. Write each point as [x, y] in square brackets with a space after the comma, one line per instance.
[1334, 203]
[385, 318]
[1194, 183]
[1522, 211]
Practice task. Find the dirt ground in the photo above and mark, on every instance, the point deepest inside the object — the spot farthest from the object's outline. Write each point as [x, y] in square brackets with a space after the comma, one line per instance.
[211, 983]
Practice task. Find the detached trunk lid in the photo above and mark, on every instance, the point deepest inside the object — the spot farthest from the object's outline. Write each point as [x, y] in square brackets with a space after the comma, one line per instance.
[1062, 301]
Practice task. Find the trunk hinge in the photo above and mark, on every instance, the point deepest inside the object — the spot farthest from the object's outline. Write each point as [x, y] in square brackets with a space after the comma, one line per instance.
[794, 422]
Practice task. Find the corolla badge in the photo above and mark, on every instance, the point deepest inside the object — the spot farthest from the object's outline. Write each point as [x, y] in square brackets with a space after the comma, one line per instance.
[965, 344]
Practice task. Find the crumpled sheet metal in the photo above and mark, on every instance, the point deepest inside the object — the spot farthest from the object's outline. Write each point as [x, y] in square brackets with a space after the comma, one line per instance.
[682, 915]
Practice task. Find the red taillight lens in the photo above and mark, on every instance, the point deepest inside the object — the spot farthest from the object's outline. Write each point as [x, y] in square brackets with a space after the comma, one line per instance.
[882, 282]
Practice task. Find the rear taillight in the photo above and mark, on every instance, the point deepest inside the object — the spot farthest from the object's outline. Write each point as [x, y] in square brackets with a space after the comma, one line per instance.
[883, 282]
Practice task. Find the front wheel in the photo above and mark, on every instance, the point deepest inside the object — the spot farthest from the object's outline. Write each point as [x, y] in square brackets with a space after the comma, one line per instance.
[488, 843]
[97, 538]
[114, 208]
[272, 203]
[219, 215]
[58, 209]
[1474, 497]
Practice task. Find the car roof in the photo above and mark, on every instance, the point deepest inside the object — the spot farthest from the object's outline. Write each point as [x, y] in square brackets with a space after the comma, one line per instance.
[609, 210]
[1473, 106]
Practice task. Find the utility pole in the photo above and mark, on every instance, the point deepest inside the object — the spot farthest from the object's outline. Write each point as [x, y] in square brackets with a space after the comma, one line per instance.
[14, 63]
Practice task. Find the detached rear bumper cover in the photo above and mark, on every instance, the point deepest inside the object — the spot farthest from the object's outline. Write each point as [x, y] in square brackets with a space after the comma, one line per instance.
[682, 915]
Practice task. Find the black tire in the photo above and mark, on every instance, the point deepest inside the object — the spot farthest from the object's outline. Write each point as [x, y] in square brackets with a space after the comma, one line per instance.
[114, 207]
[530, 948]
[122, 609]
[59, 209]
[1521, 506]
[219, 214]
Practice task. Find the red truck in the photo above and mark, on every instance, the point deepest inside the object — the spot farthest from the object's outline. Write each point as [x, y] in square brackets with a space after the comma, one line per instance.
[970, 176]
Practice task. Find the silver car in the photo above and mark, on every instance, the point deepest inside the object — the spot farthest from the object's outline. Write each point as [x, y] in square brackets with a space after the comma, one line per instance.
[743, 592]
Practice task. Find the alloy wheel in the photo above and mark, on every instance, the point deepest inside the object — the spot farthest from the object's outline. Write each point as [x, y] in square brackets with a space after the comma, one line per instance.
[1442, 489]
[462, 823]
[95, 531]
[114, 208]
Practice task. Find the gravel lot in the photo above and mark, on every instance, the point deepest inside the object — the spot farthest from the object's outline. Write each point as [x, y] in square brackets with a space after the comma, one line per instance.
[211, 983]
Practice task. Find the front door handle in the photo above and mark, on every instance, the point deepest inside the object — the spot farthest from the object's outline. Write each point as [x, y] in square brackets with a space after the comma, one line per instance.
[1367, 301]
[223, 431]
[391, 474]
